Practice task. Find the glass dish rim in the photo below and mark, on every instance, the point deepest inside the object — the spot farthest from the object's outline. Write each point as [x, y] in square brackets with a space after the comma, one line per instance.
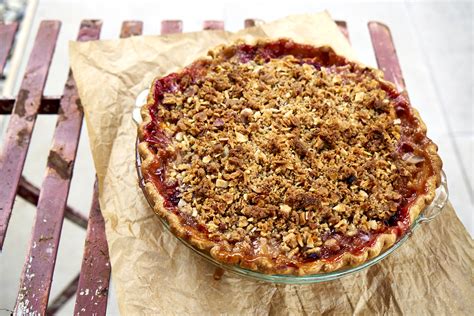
[436, 206]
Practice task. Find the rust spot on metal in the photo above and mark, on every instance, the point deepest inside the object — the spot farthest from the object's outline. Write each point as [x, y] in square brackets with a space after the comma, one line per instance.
[213, 25]
[90, 30]
[91, 23]
[62, 167]
[22, 137]
[103, 292]
[21, 101]
[69, 86]
[43, 238]
[79, 104]
[62, 117]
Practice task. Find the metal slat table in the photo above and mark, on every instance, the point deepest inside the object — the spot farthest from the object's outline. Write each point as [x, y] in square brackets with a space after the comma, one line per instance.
[91, 285]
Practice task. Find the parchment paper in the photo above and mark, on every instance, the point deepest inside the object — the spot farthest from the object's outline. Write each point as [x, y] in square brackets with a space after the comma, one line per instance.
[154, 273]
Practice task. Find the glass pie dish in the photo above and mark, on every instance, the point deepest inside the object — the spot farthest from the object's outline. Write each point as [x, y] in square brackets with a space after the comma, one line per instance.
[427, 215]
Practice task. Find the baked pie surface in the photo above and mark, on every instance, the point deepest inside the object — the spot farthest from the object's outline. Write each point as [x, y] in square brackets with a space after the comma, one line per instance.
[285, 158]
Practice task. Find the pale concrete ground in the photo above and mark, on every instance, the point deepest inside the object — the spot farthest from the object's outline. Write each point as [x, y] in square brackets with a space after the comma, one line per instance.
[434, 41]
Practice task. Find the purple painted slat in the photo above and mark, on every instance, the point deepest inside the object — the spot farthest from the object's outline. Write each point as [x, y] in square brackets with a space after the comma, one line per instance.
[31, 193]
[35, 284]
[213, 25]
[92, 291]
[171, 26]
[252, 22]
[386, 54]
[93, 288]
[7, 35]
[20, 126]
[343, 28]
[131, 28]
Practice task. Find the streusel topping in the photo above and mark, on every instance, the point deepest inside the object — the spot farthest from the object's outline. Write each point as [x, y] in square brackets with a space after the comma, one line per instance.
[286, 153]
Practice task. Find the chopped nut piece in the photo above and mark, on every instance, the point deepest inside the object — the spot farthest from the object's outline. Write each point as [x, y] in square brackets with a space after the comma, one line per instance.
[243, 222]
[183, 166]
[290, 239]
[293, 252]
[359, 96]
[221, 183]
[206, 159]
[330, 242]
[341, 223]
[302, 219]
[288, 114]
[181, 203]
[260, 156]
[351, 231]
[363, 194]
[339, 208]
[372, 224]
[256, 189]
[299, 240]
[241, 138]
[212, 227]
[246, 113]
[285, 208]
[228, 198]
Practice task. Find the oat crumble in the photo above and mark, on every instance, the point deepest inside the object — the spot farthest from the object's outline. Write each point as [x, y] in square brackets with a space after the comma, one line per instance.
[286, 153]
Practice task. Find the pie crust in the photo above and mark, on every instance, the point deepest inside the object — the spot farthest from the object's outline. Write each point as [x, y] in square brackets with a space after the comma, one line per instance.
[285, 158]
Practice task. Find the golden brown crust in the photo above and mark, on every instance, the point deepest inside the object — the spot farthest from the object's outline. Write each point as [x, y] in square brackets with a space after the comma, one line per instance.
[433, 182]
[266, 264]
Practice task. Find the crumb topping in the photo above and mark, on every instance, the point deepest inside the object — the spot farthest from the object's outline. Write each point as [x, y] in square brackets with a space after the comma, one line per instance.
[285, 153]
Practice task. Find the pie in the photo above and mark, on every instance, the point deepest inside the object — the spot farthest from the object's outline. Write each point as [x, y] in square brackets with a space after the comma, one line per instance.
[285, 158]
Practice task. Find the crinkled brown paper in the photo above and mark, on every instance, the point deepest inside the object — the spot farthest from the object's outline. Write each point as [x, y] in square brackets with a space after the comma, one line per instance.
[154, 273]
